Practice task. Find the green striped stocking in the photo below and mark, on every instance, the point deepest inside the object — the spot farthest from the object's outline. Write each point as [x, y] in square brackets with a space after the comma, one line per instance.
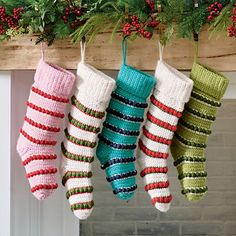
[189, 143]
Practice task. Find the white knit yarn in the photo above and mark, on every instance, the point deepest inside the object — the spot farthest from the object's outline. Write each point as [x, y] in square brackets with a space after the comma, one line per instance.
[73, 130]
[93, 90]
[155, 129]
[152, 145]
[83, 118]
[173, 89]
[155, 162]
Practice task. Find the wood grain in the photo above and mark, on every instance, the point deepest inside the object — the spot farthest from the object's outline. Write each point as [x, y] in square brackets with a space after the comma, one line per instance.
[22, 54]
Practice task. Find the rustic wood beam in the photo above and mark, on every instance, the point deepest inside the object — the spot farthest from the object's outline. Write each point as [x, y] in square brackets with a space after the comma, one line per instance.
[22, 54]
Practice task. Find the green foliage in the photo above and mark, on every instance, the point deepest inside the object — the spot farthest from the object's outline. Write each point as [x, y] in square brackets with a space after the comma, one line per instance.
[101, 16]
[222, 21]
[97, 24]
[42, 17]
[192, 21]
[11, 4]
[179, 17]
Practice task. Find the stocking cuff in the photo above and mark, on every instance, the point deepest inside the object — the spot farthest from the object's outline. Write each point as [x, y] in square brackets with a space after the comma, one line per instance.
[53, 79]
[209, 81]
[93, 83]
[172, 82]
[135, 82]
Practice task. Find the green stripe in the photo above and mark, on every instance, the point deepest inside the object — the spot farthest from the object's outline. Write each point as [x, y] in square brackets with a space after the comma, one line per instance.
[205, 99]
[75, 157]
[190, 143]
[200, 114]
[191, 136]
[178, 149]
[82, 206]
[192, 175]
[196, 120]
[189, 159]
[194, 127]
[86, 110]
[202, 107]
[80, 125]
[79, 141]
[75, 174]
[193, 182]
[195, 190]
[189, 167]
[78, 190]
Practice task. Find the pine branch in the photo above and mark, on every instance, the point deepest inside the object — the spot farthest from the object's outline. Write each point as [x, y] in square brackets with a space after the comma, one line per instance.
[95, 25]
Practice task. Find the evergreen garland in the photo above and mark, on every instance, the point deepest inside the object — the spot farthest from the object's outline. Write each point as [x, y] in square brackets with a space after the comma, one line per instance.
[52, 19]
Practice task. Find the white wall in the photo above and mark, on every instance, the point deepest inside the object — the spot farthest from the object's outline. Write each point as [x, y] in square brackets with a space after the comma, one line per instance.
[5, 152]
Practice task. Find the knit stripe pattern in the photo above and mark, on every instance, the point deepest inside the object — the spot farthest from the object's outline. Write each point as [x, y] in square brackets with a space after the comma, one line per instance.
[88, 105]
[194, 128]
[170, 94]
[117, 141]
[38, 136]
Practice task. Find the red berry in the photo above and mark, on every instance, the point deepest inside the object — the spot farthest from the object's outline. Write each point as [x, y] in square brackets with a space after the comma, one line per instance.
[138, 25]
[220, 6]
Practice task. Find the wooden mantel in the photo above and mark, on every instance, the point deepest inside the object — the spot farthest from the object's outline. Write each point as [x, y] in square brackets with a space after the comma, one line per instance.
[22, 54]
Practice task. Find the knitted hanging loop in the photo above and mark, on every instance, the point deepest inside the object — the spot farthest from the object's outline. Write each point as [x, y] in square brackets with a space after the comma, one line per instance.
[82, 50]
[171, 92]
[161, 50]
[117, 141]
[196, 47]
[124, 50]
[42, 50]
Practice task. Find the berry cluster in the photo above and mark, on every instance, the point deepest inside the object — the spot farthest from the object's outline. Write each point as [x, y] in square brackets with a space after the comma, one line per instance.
[232, 27]
[142, 29]
[17, 13]
[7, 21]
[72, 16]
[214, 9]
[151, 4]
[2, 31]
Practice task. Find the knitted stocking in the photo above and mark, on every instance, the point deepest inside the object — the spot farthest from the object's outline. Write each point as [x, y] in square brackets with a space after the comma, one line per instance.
[171, 92]
[121, 128]
[46, 107]
[85, 118]
[190, 140]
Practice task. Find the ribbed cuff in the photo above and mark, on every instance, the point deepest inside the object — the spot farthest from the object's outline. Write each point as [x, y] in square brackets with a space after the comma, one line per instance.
[93, 82]
[172, 82]
[53, 79]
[209, 81]
[135, 82]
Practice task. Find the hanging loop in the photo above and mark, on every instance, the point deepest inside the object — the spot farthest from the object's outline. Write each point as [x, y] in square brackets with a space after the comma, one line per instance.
[82, 49]
[196, 36]
[161, 50]
[196, 4]
[159, 6]
[42, 50]
[124, 50]
[196, 50]
[126, 11]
